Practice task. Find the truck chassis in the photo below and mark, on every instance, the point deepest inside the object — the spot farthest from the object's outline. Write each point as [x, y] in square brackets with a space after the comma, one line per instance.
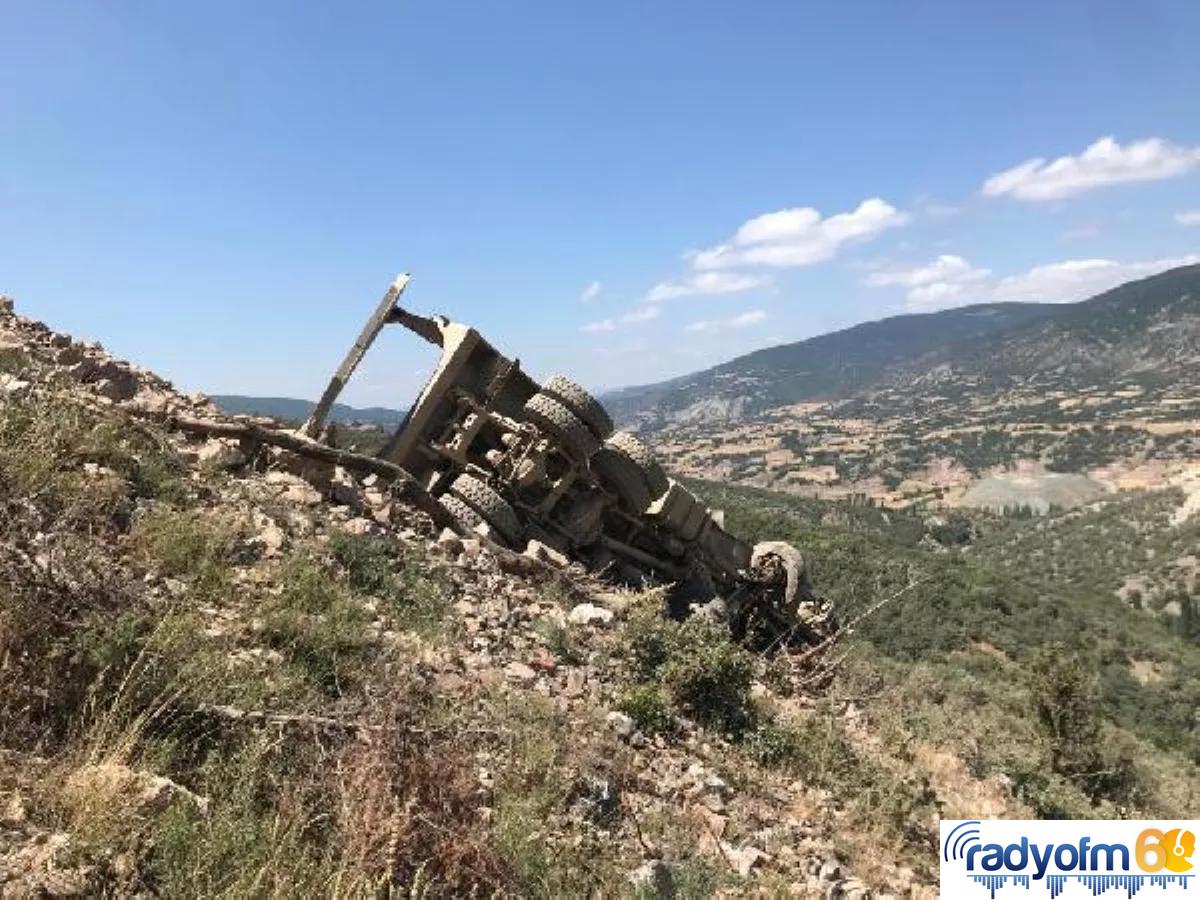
[519, 461]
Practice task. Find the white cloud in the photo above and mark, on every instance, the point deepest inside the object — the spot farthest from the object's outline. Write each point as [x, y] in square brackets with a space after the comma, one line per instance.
[746, 319]
[951, 280]
[715, 326]
[642, 314]
[1103, 163]
[1190, 217]
[1078, 279]
[634, 316]
[705, 283]
[798, 236]
[590, 293]
[944, 278]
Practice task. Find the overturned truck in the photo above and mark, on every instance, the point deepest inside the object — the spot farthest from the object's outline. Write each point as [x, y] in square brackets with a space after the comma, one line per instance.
[519, 461]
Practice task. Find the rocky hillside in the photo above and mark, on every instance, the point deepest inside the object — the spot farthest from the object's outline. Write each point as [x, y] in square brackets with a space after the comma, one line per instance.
[1145, 329]
[228, 671]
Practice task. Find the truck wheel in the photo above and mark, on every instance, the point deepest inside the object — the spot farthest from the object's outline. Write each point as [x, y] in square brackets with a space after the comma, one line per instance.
[586, 407]
[491, 506]
[463, 514]
[556, 420]
[636, 450]
[623, 477]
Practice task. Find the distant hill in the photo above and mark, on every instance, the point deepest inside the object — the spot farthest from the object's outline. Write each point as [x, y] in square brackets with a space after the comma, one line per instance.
[1151, 326]
[825, 367]
[1145, 330]
[294, 409]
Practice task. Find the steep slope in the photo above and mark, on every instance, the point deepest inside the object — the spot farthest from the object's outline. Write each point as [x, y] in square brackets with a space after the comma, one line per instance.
[228, 670]
[1148, 330]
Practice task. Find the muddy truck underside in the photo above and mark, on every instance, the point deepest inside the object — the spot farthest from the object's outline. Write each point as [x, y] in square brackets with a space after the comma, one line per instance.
[523, 462]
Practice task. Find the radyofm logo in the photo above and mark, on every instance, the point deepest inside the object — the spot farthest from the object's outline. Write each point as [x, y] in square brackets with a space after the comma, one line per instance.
[1096, 855]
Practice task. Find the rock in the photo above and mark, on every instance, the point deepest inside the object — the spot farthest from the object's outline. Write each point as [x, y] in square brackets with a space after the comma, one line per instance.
[831, 870]
[576, 679]
[744, 859]
[10, 384]
[449, 542]
[547, 554]
[151, 401]
[108, 377]
[6, 304]
[853, 889]
[270, 535]
[220, 453]
[69, 356]
[622, 724]
[654, 876]
[360, 526]
[295, 488]
[316, 473]
[520, 673]
[589, 614]
[345, 490]
[543, 661]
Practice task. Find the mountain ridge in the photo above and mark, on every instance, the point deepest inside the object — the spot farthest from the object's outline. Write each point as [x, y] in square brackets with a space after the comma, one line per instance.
[297, 409]
[1028, 337]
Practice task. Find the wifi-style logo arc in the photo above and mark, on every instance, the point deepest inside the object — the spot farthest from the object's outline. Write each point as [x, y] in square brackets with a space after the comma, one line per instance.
[1068, 858]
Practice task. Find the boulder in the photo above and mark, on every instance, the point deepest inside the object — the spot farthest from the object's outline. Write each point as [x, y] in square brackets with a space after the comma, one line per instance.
[589, 614]
[653, 878]
[220, 453]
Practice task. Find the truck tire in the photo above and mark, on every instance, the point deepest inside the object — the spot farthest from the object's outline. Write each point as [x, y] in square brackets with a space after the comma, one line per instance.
[491, 506]
[586, 407]
[636, 450]
[463, 514]
[623, 477]
[559, 422]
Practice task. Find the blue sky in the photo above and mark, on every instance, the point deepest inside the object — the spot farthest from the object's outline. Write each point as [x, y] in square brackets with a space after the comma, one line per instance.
[624, 191]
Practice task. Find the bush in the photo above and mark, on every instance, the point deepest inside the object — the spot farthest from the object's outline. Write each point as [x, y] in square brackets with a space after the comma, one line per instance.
[188, 544]
[649, 708]
[318, 627]
[1067, 704]
[367, 561]
[705, 675]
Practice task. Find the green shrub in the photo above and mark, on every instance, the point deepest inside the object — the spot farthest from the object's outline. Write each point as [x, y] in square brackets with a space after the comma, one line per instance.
[367, 561]
[188, 544]
[318, 627]
[420, 595]
[1067, 704]
[561, 643]
[705, 674]
[649, 708]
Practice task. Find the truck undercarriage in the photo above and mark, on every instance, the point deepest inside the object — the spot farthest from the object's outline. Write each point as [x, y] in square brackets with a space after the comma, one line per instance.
[519, 461]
